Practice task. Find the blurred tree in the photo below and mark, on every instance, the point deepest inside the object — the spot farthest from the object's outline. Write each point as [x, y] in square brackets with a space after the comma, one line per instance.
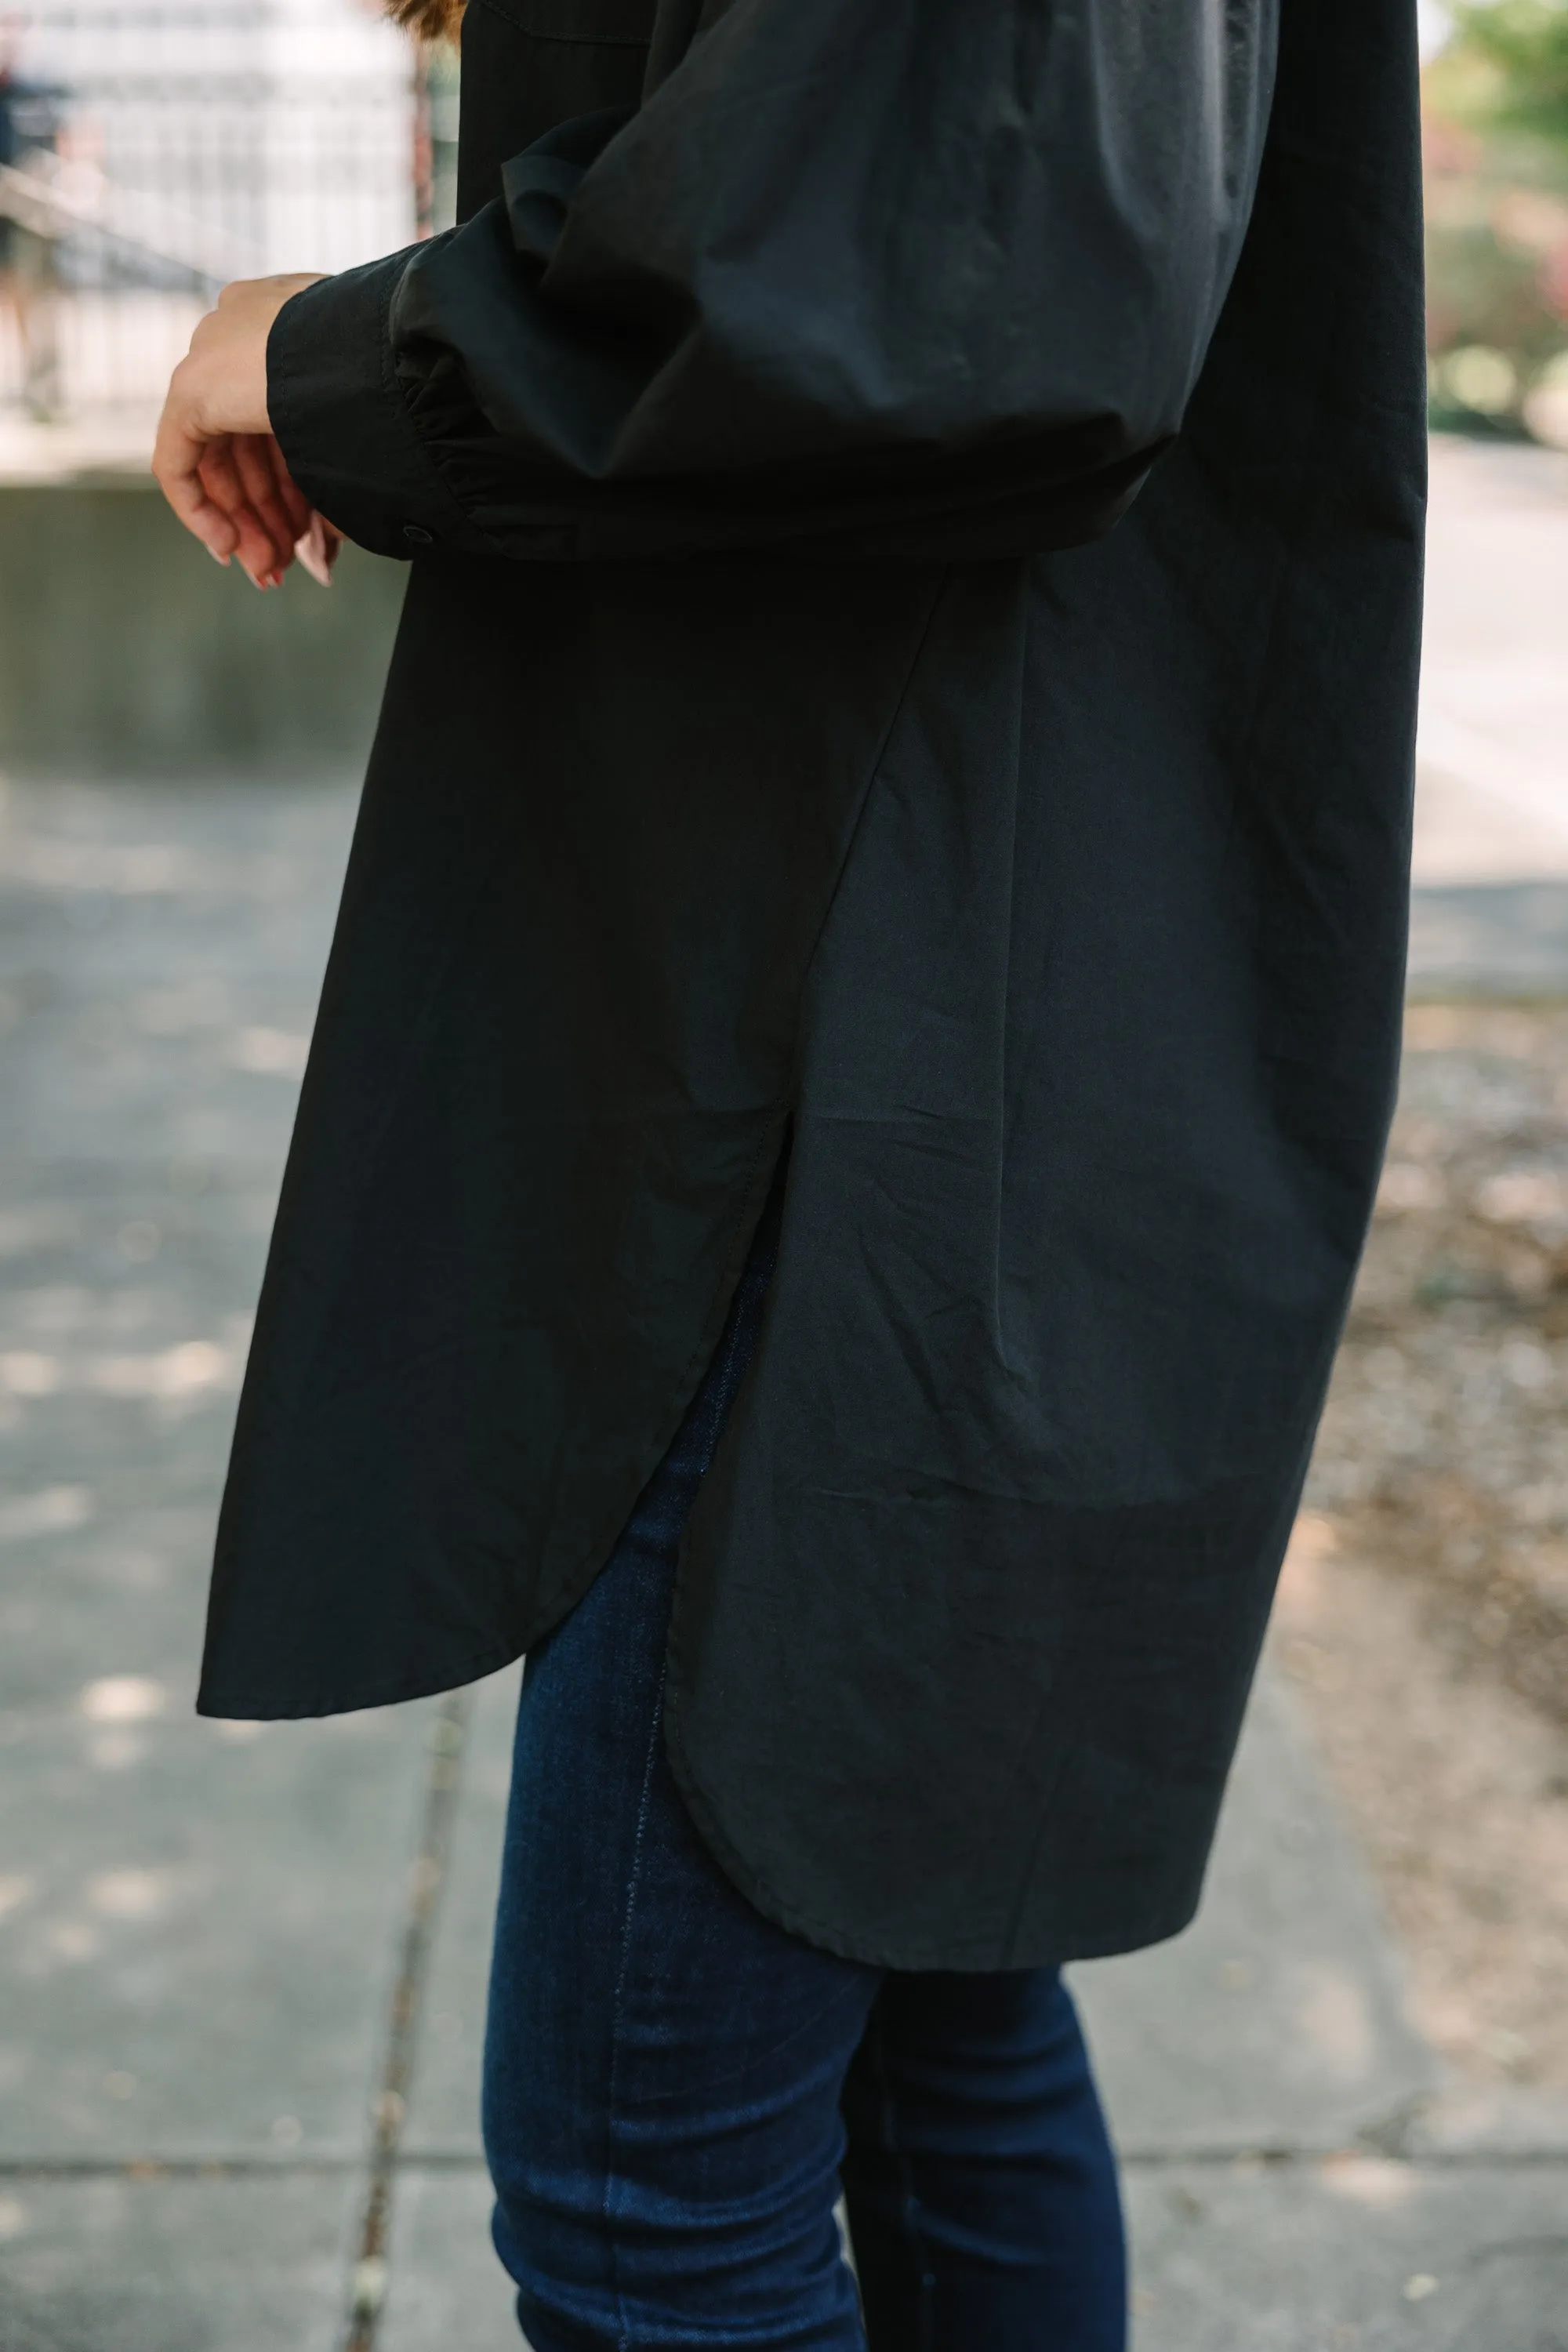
[1496, 140]
[1525, 45]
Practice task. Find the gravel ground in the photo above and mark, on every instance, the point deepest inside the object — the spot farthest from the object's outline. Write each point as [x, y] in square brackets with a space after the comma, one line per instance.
[1423, 1612]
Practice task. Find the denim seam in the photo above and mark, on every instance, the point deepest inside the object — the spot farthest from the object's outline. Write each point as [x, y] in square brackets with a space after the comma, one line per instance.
[655, 1729]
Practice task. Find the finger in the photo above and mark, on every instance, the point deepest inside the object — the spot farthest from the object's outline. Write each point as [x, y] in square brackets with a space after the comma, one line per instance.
[253, 541]
[254, 462]
[176, 467]
[296, 505]
[235, 486]
[220, 480]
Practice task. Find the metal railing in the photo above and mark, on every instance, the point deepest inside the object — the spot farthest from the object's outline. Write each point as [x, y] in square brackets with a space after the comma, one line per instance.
[150, 152]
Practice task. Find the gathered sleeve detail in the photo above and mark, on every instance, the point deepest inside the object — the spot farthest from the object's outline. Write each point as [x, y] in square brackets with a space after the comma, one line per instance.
[858, 278]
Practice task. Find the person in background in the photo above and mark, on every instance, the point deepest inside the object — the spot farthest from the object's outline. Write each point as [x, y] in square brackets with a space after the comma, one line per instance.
[851, 1078]
[30, 124]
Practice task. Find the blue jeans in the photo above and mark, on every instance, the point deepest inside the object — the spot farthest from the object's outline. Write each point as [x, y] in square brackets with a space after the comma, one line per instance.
[674, 2088]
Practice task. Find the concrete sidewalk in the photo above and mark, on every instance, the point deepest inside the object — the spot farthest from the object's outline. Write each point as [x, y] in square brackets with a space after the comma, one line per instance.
[202, 1929]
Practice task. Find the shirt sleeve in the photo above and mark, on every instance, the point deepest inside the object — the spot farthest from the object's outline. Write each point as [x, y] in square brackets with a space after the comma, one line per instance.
[859, 278]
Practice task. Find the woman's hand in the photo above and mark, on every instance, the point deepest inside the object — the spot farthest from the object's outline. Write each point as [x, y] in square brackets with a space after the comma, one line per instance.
[216, 459]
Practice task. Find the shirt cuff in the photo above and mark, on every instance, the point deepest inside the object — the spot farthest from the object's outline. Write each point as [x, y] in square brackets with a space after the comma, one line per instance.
[339, 415]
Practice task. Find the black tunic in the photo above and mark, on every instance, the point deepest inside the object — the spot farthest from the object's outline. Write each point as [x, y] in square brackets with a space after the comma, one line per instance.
[770, 740]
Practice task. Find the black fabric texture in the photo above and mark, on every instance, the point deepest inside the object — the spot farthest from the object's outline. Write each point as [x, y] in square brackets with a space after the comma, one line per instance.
[813, 292]
[1058, 898]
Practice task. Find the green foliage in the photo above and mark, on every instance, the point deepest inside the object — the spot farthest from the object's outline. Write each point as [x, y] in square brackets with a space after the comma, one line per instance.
[1479, 291]
[1495, 143]
[1525, 45]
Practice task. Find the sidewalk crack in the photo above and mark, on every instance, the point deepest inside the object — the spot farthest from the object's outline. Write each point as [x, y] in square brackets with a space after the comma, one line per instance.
[369, 2275]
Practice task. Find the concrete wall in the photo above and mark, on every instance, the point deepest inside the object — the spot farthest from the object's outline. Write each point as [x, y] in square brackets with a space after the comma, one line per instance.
[124, 650]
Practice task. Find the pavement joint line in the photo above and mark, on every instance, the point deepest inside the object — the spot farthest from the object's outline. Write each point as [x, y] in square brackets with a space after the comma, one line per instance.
[187, 2168]
[1391, 2134]
[370, 2272]
[1209, 2156]
[1298, 2160]
[1437, 989]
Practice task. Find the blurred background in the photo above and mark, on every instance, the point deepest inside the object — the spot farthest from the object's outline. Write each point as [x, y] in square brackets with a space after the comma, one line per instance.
[151, 153]
[242, 1967]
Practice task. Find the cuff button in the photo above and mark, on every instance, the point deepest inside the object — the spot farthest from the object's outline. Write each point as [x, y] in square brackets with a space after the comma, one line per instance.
[419, 534]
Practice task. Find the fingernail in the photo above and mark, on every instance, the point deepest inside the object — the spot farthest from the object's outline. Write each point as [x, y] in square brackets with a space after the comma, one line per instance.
[217, 558]
[313, 557]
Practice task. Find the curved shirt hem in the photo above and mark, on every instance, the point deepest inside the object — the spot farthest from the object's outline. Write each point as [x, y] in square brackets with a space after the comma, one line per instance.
[395, 1692]
[982, 1956]
[979, 1957]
